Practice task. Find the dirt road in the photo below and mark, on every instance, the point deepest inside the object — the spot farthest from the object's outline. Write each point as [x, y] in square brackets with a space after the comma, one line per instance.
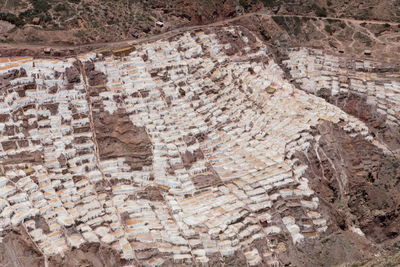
[384, 39]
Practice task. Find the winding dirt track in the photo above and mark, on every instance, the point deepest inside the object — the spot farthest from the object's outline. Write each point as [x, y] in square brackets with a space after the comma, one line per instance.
[384, 39]
[174, 32]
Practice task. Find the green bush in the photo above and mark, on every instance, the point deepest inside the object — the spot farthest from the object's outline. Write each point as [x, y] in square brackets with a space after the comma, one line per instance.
[363, 38]
[279, 20]
[60, 8]
[269, 3]
[40, 6]
[45, 18]
[329, 29]
[7, 41]
[244, 4]
[26, 15]
[17, 21]
[74, 1]
[320, 12]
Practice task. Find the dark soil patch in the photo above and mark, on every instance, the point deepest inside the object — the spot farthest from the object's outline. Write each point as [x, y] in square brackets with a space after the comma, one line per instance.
[118, 137]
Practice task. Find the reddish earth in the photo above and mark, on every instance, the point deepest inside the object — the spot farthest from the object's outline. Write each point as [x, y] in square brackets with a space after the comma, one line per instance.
[94, 255]
[16, 249]
[369, 178]
[95, 77]
[356, 181]
[358, 185]
[118, 137]
[356, 105]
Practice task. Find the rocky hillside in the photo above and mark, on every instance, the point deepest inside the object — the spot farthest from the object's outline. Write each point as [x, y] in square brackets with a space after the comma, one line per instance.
[86, 21]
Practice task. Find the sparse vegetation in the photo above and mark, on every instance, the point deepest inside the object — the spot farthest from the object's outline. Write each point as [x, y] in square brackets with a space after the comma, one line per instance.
[279, 20]
[117, 19]
[7, 41]
[80, 34]
[269, 3]
[319, 11]
[40, 6]
[60, 7]
[17, 21]
[329, 29]
[244, 4]
[363, 38]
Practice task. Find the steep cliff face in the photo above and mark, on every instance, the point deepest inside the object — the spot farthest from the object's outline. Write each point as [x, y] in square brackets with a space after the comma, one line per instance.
[358, 179]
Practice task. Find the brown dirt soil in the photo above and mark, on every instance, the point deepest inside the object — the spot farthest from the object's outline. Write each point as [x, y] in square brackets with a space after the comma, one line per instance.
[95, 77]
[329, 250]
[84, 21]
[11, 75]
[383, 260]
[24, 157]
[117, 136]
[41, 223]
[73, 74]
[189, 158]
[17, 250]
[93, 255]
[205, 180]
[237, 259]
[356, 105]
[151, 193]
[357, 179]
